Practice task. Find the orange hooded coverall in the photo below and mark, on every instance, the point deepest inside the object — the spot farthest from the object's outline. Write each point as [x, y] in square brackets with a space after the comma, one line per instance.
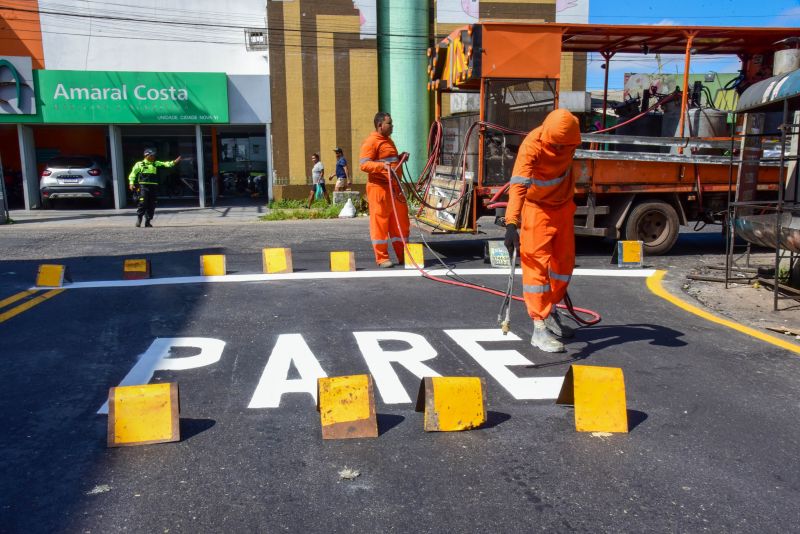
[540, 196]
[376, 151]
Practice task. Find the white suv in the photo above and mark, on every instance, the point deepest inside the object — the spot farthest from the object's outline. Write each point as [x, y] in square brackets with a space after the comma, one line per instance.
[67, 177]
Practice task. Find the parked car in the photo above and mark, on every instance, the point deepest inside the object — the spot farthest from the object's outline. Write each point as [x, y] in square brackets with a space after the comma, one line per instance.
[67, 177]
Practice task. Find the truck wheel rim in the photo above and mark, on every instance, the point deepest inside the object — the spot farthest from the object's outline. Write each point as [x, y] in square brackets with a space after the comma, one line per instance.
[653, 228]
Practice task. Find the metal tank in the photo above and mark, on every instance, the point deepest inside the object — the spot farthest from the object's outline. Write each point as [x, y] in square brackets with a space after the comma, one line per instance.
[786, 61]
[700, 122]
[648, 125]
[402, 41]
[763, 230]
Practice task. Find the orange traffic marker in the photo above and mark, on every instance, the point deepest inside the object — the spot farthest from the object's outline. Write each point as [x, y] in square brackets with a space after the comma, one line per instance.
[50, 275]
[452, 403]
[139, 415]
[346, 406]
[136, 269]
[630, 254]
[277, 260]
[343, 261]
[598, 394]
[212, 265]
[414, 256]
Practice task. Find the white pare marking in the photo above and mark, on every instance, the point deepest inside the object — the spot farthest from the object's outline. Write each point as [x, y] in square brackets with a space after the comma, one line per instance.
[497, 363]
[274, 382]
[380, 361]
[157, 358]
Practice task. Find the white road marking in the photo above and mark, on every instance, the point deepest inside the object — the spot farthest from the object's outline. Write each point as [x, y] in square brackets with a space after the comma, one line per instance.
[275, 381]
[325, 275]
[497, 363]
[289, 349]
[380, 361]
[157, 358]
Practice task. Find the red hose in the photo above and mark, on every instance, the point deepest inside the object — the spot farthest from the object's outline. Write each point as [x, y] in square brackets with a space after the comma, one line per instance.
[640, 115]
[574, 311]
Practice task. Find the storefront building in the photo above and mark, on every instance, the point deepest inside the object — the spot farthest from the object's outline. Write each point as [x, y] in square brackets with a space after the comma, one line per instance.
[206, 118]
[153, 82]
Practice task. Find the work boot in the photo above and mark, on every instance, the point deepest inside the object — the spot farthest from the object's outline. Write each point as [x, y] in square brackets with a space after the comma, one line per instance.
[555, 323]
[387, 264]
[138, 222]
[544, 340]
[147, 224]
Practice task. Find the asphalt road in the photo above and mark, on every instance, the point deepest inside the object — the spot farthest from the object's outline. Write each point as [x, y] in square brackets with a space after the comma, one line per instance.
[713, 413]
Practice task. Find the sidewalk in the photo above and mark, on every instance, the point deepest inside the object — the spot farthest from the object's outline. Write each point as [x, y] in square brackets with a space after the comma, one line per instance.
[165, 217]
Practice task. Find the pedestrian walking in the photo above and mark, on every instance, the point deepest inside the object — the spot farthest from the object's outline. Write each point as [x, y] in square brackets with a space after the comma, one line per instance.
[317, 180]
[143, 181]
[540, 198]
[342, 174]
[388, 220]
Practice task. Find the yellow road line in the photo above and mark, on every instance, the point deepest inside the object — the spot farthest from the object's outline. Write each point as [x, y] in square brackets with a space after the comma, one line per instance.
[14, 298]
[5, 316]
[654, 285]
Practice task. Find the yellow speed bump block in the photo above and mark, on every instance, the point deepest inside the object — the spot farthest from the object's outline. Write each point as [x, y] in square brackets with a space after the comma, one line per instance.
[136, 269]
[51, 275]
[452, 403]
[346, 406]
[415, 256]
[277, 260]
[139, 415]
[598, 394]
[343, 261]
[630, 253]
[212, 265]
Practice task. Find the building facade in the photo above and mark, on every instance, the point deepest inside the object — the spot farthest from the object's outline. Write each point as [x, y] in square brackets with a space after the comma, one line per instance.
[109, 80]
[231, 110]
[324, 82]
[334, 63]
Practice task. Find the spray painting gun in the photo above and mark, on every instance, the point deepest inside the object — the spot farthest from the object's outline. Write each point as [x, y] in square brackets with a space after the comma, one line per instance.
[504, 317]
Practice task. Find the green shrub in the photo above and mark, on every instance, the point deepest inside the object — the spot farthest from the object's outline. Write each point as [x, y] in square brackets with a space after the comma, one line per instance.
[283, 210]
[285, 204]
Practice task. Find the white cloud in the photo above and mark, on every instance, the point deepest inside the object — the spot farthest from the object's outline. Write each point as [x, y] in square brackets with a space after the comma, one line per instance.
[666, 22]
[792, 12]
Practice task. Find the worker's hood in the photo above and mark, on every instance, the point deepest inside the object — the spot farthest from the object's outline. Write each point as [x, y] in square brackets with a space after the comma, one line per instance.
[561, 128]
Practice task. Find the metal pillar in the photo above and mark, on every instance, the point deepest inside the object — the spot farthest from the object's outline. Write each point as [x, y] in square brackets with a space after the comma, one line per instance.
[119, 182]
[607, 57]
[4, 199]
[201, 172]
[402, 28]
[27, 158]
[685, 96]
[270, 167]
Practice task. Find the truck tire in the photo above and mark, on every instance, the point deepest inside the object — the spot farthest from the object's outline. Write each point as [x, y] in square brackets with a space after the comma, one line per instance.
[655, 223]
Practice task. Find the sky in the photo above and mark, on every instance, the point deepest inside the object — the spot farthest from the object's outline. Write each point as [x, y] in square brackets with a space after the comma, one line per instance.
[753, 13]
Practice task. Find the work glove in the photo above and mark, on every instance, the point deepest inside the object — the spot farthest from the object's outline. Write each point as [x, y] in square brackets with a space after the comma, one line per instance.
[512, 238]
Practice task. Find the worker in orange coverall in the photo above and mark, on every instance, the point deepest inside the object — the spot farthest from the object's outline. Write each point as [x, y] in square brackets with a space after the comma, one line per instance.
[377, 153]
[540, 203]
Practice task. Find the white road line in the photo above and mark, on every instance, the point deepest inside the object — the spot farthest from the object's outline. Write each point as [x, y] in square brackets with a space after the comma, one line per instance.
[233, 278]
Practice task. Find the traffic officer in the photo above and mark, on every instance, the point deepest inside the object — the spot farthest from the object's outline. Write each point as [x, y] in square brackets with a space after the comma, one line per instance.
[540, 197]
[144, 177]
[377, 153]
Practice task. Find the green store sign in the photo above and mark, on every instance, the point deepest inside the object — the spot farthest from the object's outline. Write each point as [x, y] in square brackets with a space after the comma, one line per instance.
[99, 97]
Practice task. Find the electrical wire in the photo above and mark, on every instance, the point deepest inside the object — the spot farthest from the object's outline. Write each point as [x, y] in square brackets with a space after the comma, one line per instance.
[311, 28]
